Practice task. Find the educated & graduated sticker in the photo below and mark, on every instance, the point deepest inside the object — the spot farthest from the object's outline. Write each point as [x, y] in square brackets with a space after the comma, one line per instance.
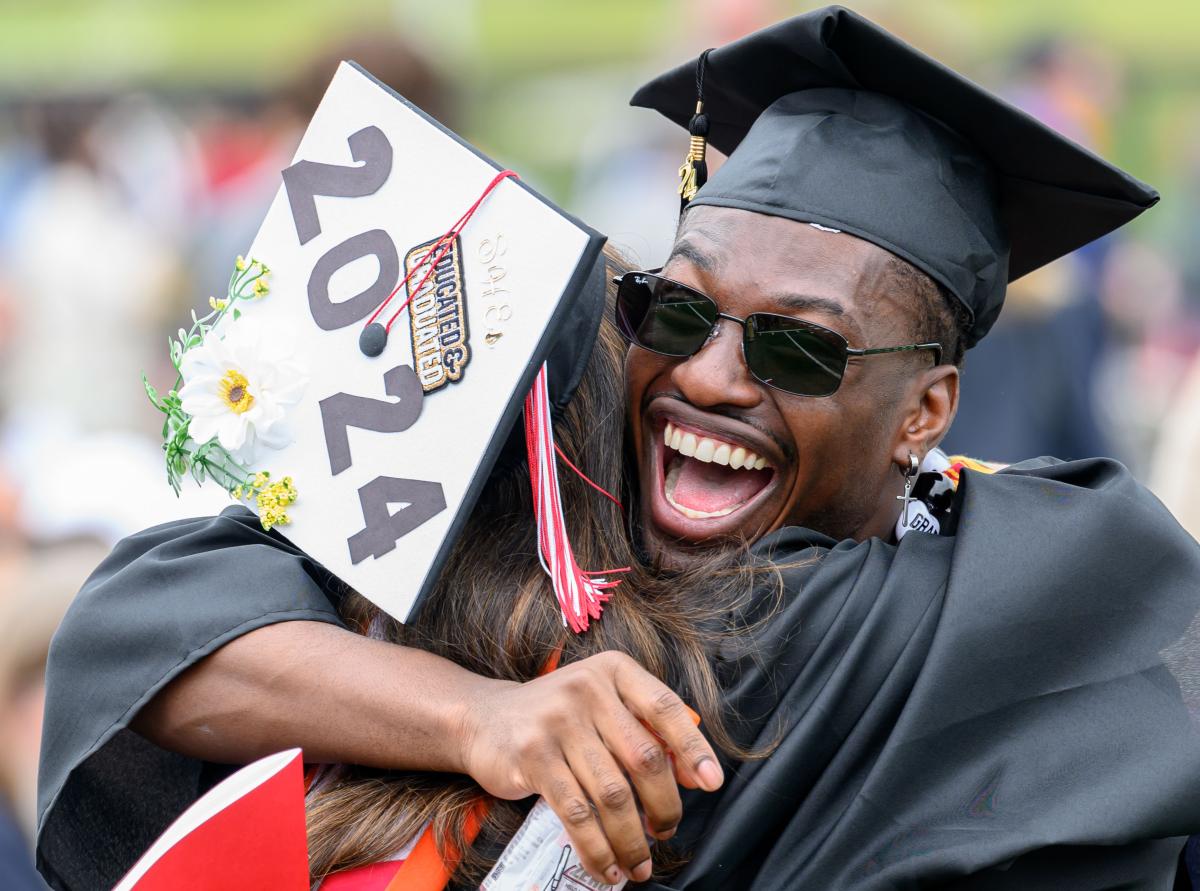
[358, 381]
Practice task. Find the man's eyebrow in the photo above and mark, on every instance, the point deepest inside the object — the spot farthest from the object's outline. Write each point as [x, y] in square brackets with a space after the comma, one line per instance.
[686, 250]
[810, 303]
[801, 302]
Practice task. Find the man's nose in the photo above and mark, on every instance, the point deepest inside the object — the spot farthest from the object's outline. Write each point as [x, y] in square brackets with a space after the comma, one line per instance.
[717, 374]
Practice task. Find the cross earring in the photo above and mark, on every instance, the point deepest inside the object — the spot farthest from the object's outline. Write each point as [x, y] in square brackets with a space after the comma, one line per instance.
[910, 477]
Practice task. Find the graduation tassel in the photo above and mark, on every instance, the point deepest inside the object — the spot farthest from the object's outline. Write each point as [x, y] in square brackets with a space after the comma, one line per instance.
[580, 594]
[693, 173]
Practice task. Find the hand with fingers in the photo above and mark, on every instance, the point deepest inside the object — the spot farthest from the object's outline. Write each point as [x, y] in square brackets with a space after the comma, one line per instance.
[596, 738]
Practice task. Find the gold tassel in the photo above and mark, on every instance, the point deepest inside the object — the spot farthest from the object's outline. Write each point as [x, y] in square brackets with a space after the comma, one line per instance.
[687, 179]
[688, 183]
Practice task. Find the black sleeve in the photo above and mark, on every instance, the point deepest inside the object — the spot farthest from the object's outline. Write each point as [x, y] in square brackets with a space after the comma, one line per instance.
[163, 600]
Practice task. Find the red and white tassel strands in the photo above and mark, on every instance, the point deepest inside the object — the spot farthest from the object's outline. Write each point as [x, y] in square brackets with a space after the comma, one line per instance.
[580, 594]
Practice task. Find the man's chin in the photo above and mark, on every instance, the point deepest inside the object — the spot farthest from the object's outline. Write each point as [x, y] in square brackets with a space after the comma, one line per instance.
[669, 549]
[663, 552]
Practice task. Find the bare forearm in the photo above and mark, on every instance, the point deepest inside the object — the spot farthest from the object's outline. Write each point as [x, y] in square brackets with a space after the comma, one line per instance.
[573, 735]
[340, 696]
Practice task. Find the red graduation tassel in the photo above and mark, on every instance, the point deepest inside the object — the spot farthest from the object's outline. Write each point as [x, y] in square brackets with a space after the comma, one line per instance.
[580, 594]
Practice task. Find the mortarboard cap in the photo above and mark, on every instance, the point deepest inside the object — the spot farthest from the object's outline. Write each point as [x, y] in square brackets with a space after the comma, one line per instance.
[829, 119]
[371, 450]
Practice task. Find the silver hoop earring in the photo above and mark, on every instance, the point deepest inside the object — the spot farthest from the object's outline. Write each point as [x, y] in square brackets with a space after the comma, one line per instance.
[910, 477]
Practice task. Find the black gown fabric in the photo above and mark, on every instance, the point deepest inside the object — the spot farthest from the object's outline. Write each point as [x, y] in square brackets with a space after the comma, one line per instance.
[162, 601]
[1011, 705]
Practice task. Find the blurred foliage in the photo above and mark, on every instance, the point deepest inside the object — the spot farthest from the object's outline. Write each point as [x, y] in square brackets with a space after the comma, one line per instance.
[74, 42]
[518, 63]
[1157, 34]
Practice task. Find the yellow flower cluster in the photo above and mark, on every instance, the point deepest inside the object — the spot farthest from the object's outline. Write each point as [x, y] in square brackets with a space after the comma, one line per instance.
[217, 304]
[261, 288]
[273, 499]
[273, 502]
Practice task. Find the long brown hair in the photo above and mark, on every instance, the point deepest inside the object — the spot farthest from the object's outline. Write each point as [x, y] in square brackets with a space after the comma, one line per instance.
[494, 613]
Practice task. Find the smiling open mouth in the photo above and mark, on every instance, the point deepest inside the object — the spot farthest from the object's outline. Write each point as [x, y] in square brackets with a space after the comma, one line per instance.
[706, 477]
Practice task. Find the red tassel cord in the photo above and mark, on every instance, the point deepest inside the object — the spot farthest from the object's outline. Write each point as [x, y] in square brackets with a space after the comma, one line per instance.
[583, 476]
[580, 594]
[434, 255]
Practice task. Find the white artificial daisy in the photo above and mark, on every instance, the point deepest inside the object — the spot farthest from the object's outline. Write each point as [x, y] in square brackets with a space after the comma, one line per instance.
[239, 388]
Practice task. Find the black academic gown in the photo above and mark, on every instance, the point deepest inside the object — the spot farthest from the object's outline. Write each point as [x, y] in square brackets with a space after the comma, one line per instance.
[1011, 706]
[1006, 706]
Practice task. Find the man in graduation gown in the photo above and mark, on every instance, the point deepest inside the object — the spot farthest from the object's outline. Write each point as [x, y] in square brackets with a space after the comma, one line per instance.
[995, 689]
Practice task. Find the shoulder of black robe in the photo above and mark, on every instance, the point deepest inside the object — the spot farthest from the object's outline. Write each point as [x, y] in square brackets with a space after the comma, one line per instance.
[999, 708]
[164, 599]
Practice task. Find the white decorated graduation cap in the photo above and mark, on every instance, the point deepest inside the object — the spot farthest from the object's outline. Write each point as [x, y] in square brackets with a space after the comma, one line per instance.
[829, 119]
[419, 298]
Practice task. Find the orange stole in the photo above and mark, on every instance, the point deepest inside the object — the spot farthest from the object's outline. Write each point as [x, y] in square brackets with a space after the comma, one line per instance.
[424, 869]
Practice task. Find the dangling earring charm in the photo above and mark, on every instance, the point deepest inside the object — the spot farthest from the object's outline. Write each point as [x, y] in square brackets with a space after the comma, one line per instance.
[910, 477]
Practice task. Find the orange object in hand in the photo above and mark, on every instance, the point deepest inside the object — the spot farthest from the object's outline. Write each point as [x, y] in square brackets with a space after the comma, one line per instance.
[683, 780]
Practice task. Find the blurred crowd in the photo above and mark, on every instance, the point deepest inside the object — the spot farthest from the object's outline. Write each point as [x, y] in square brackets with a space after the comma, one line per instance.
[122, 207]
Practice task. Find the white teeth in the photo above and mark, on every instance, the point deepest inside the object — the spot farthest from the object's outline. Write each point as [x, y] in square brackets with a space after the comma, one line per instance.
[702, 514]
[711, 450]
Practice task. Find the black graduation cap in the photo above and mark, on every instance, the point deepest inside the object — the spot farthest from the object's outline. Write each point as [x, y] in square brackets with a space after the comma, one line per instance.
[829, 119]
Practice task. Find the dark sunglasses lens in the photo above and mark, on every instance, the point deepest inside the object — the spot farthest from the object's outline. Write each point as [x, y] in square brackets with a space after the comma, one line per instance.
[795, 357]
[663, 316]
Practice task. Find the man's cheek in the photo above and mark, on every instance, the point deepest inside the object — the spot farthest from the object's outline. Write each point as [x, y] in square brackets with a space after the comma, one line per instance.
[639, 363]
[645, 374]
[634, 373]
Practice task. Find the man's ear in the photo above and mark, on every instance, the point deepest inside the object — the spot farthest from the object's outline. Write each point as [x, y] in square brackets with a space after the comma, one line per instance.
[931, 403]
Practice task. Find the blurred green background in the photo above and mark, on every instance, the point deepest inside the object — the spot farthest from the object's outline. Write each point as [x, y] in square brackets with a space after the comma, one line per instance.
[499, 51]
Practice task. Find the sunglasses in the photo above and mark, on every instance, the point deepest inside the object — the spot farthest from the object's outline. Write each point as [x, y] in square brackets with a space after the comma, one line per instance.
[787, 354]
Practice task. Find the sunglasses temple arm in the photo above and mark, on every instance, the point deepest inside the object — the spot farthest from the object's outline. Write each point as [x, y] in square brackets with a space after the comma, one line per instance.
[936, 347]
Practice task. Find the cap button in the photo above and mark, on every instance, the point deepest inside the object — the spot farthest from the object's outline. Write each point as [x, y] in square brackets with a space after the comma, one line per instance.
[373, 339]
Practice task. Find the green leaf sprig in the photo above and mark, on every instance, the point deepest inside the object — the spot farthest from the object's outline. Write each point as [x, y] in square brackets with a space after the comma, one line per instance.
[211, 460]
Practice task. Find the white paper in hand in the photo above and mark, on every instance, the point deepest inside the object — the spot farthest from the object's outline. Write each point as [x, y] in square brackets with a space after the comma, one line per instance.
[388, 453]
[540, 858]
